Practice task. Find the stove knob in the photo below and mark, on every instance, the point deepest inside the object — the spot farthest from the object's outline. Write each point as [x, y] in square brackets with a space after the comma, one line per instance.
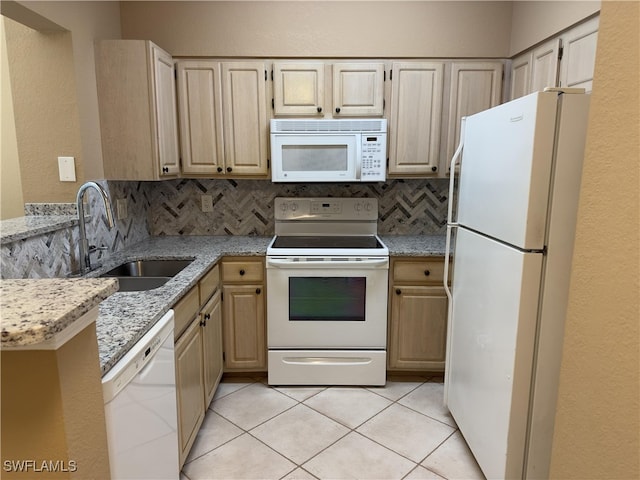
[284, 207]
[294, 207]
[358, 207]
[368, 207]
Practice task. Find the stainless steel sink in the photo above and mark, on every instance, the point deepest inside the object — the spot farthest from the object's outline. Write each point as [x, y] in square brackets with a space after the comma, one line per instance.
[142, 275]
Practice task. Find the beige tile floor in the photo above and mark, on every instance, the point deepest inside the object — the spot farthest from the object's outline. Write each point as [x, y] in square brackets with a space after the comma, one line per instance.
[399, 431]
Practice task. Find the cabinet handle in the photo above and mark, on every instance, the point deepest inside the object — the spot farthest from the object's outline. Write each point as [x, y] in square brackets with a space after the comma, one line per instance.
[203, 323]
[229, 169]
[165, 169]
[337, 109]
[258, 291]
[319, 109]
[241, 272]
[207, 316]
[398, 291]
[219, 169]
[427, 273]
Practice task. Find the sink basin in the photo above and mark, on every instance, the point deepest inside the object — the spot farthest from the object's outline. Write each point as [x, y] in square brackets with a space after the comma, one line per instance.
[148, 268]
[142, 275]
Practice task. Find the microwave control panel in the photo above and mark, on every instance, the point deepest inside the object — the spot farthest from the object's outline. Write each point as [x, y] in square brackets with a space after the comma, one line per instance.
[374, 157]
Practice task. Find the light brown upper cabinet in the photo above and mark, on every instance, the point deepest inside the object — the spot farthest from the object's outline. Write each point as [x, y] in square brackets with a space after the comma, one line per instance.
[298, 88]
[244, 113]
[535, 70]
[416, 116]
[579, 55]
[223, 118]
[358, 89]
[567, 60]
[137, 103]
[475, 86]
[200, 110]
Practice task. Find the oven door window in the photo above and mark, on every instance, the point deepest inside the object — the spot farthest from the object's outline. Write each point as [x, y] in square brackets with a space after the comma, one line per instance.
[327, 299]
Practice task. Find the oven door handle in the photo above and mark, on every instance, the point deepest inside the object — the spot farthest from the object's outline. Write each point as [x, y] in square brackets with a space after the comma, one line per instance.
[328, 263]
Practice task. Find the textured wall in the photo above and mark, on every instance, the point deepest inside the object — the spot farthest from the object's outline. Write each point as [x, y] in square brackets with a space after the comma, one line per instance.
[597, 420]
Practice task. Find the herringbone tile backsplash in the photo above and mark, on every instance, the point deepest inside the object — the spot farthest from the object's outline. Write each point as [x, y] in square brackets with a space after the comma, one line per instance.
[406, 207]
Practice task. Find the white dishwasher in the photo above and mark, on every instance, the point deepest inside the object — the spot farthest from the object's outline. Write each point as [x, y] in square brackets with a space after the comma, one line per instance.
[140, 408]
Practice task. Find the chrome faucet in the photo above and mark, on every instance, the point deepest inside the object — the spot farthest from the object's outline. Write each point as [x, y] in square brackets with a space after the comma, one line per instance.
[85, 249]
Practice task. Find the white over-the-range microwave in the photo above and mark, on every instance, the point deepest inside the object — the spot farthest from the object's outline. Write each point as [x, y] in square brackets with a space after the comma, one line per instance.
[327, 150]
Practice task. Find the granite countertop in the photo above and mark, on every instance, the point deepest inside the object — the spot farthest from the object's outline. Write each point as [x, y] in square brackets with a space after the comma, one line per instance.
[35, 310]
[20, 228]
[126, 316]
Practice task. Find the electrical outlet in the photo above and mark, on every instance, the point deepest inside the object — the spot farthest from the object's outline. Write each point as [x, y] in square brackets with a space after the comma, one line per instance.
[207, 203]
[121, 206]
[67, 169]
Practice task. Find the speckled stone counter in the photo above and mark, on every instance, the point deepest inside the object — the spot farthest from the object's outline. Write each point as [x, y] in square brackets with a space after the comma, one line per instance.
[20, 228]
[415, 245]
[34, 311]
[126, 316]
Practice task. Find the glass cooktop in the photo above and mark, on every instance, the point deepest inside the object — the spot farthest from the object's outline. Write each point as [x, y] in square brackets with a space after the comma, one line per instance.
[329, 242]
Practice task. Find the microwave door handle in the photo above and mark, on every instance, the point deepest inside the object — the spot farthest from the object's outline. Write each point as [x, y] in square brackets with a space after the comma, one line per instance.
[359, 158]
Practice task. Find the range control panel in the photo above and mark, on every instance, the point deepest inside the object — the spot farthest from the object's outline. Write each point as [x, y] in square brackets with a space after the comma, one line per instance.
[374, 157]
[322, 209]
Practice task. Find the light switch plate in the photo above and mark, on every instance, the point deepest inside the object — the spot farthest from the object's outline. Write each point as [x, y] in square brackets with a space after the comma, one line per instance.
[67, 169]
[121, 207]
[207, 203]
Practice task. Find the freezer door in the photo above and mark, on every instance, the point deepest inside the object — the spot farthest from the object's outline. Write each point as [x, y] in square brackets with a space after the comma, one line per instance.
[491, 342]
[506, 170]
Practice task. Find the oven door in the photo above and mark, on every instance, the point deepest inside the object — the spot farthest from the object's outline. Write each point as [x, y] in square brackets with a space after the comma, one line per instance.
[327, 303]
[315, 158]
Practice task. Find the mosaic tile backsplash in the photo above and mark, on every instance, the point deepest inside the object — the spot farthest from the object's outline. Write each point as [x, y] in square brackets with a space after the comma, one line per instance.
[56, 254]
[240, 207]
[407, 207]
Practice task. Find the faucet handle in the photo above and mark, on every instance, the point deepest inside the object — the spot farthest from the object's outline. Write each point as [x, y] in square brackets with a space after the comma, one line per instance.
[93, 248]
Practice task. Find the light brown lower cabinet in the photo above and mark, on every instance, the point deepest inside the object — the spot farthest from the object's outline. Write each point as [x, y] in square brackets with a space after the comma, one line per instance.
[244, 318]
[198, 356]
[417, 315]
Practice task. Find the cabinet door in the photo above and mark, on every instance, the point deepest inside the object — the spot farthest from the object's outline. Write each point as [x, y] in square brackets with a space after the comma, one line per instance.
[244, 111]
[166, 115]
[475, 86]
[298, 88]
[545, 66]
[211, 322]
[189, 390]
[418, 328]
[200, 109]
[579, 55]
[358, 89]
[244, 327]
[521, 76]
[416, 113]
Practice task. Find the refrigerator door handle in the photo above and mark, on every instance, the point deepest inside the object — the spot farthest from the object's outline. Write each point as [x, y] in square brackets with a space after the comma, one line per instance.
[447, 255]
[450, 223]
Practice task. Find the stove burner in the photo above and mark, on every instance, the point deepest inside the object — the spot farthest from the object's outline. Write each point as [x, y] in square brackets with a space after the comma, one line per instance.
[322, 241]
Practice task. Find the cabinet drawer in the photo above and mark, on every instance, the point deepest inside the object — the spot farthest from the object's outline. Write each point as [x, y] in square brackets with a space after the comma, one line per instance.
[242, 271]
[185, 310]
[209, 283]
[419, 271]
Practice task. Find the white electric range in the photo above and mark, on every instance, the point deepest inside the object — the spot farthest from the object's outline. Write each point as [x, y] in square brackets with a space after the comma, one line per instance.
[327, 281]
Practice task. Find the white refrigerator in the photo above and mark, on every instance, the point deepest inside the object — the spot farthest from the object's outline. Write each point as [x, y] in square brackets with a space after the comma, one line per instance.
[518, 191]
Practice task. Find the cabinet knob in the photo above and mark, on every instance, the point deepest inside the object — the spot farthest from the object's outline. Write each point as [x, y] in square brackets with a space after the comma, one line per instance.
[337, 109]
[427, 273]
[219, 169]
[319, 109]
[242, 272]
[398, 291]
[229, 169]
[434, 168]
[258, 291]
